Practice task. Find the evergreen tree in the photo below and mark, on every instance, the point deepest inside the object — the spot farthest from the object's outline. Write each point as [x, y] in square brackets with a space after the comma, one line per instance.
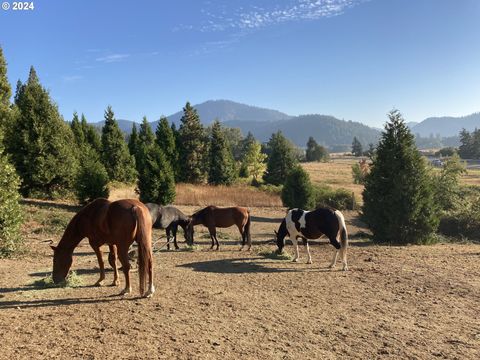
[254, 161]
[77, 130]
[92, 179]
[134, 143]
[298, 191]
[10, 210]
[92, 136]
[315, 152]
[469, 144]
[357, 148]
[222, 166]
[5, 94]
[398, 197]
[245, 144]
[165, 139]
[118, 162]
[41, 143]
[192, 147]
[281, 159]
[145, 141]
[156, 182]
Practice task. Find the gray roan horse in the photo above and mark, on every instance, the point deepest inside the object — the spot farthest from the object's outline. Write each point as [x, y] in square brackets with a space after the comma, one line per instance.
[169, 218]
[213, 217]
[312, 225]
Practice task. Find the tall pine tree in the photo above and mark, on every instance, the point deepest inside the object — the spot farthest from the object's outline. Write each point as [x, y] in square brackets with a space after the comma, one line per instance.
[165, 139]
[357, 148]
[120, 165]
[77, 129]
[281, 159]
[10, 209]
[315, 152]
[156, 182]
[192, 151]
[133, 143]
[5, 94]
[222, 166]
[41, 143]
[92, 136]
[398, 198]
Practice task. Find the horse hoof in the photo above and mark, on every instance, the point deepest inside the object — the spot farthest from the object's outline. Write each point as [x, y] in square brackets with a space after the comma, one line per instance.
[309, 262]
[115, 283]
[125, 292]
[99, 283]
[295, 260]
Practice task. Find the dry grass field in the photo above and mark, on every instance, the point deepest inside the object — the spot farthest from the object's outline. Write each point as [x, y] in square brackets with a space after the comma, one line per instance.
[410, 302]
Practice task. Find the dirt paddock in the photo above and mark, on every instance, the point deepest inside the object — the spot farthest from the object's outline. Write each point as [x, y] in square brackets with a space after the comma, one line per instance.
[395, 303]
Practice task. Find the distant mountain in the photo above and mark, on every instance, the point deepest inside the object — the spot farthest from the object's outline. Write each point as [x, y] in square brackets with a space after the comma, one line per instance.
[125, 125]
[326, 130]
[226, 110]
[446, 126]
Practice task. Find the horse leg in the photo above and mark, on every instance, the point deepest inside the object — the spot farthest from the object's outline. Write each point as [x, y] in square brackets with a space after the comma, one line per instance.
[99, 254]
[244, 236]
[168, 237]
[123, 257]
[213, 234]
[112, 259]
[295, 247]
[174, 230]
[305, 242]
[336, 244]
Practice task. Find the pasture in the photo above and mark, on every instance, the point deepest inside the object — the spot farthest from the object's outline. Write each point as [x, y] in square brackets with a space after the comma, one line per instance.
[412, 302]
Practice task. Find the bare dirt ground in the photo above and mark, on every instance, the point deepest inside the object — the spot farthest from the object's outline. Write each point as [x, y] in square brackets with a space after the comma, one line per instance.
[395, 303]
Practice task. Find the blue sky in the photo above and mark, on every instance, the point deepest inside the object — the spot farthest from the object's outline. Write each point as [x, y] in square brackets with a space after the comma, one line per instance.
[353, 59]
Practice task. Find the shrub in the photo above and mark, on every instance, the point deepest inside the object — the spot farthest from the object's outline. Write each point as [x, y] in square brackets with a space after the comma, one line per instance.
[298, 191]
[463, 219]
[340, 199]
[360, 171]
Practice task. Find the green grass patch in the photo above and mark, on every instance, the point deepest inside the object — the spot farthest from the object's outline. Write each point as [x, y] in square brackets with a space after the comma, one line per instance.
[220, 236]
[72, 281]
[275, 255]
[190, 248]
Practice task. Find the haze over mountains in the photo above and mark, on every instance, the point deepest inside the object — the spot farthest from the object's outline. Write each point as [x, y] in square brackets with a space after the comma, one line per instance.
[447, 125]
[327, 130]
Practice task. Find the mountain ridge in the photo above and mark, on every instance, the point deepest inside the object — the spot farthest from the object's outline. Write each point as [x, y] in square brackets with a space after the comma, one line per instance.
[326, 129]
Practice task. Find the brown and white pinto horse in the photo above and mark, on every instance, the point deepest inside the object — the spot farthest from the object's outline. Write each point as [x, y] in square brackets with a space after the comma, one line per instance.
[312, 225]
[213, 217]
[116, 224]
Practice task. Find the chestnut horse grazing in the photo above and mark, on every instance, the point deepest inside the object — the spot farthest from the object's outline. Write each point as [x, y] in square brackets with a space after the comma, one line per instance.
[116, 224]
[213, 217]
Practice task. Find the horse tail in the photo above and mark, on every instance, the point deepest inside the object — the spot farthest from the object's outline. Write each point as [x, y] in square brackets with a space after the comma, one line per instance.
[342, 229]
[145, 256]
[247, 230]
[343, 237]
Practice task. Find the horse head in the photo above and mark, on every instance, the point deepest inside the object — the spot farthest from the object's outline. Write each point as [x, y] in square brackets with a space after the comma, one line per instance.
[62, 260]
[280, 235]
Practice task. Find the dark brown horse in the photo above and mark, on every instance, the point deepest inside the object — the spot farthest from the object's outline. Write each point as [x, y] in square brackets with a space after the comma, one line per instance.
[213, 217]
[116, 224]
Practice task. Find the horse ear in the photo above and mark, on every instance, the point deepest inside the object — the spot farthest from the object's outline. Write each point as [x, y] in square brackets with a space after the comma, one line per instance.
[53, 247]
